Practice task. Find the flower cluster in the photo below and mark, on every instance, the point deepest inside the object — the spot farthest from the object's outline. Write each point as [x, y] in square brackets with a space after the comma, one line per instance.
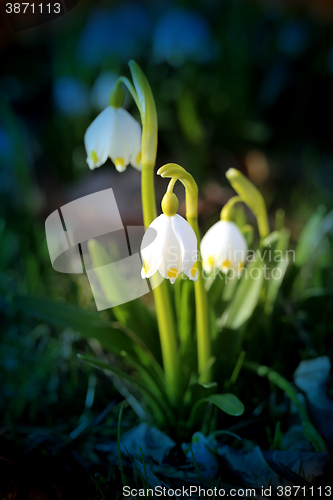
[117, 135]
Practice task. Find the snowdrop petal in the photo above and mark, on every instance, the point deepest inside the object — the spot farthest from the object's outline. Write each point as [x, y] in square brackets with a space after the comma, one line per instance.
[125, 139]
[115, 134]
[152, 246]
[97, 138]
[188, 246]
[223, 247]
[174, 239]
[119, 144]
[171, 263]
[133, 131]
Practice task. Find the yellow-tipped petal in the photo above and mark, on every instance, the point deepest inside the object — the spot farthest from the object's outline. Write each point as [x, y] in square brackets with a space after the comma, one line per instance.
[94, 157]
[120, 164]
[145, 266]
[172, 273]
[226, 264]
[211, 261]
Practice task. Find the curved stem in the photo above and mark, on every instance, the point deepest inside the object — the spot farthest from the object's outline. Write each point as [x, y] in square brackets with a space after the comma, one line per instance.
[164, 312]
[252, 197]
[201, 303]
[226, 212]
[172, 184]
[130, 87]
[144, 100]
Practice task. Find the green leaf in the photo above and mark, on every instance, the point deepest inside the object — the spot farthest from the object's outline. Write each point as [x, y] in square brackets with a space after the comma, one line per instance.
[200, 391]
[248, 233]
[133, 314]
[88, 324]
[271, 239]
[151, 373]
[186, 318]
[228, 403]
[215, 290]
[245, 298]
[159, 406]
[309, 237]
[274, 284]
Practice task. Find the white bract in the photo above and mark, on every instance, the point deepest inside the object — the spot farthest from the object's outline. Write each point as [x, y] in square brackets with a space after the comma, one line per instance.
[223, 247]
[171, 251]
[114, 134]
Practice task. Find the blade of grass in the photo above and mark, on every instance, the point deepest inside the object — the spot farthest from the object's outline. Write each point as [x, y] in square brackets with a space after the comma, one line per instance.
[196, 465]
[123, 477]
[144, 467]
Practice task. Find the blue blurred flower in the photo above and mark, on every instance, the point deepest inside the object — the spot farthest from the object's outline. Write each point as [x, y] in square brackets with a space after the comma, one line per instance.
[182, 35]
[293, 37]
[70, 95]
[121, 32]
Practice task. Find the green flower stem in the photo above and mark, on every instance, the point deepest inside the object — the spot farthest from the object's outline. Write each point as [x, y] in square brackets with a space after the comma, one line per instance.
[226, 212]
[202, 317]
[252, 197]
[144, 100]
[201, 303]
[148, 194]
[129, 85]
[164, 312]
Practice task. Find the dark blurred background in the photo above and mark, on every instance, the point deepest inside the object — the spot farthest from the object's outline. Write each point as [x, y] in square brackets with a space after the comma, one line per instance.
[245, 84]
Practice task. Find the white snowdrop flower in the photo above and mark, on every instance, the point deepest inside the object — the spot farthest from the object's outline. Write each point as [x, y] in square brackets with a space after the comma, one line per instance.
[223, 247]
[114, 134]
[172, 251]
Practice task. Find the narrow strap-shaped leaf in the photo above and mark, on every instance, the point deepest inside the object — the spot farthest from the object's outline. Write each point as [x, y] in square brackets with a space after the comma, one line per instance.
[159, 405]
[308, 239]
[151, 374]
[87, 323]
[274, 284]
[246, 296]
[132, 313]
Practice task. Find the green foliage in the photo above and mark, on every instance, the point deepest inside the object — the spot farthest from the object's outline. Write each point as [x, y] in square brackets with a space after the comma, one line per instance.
[274, 321]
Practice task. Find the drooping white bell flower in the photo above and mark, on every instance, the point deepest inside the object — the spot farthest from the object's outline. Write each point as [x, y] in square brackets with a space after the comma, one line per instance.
[223, 247]
[114, 134]
[174, 249]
